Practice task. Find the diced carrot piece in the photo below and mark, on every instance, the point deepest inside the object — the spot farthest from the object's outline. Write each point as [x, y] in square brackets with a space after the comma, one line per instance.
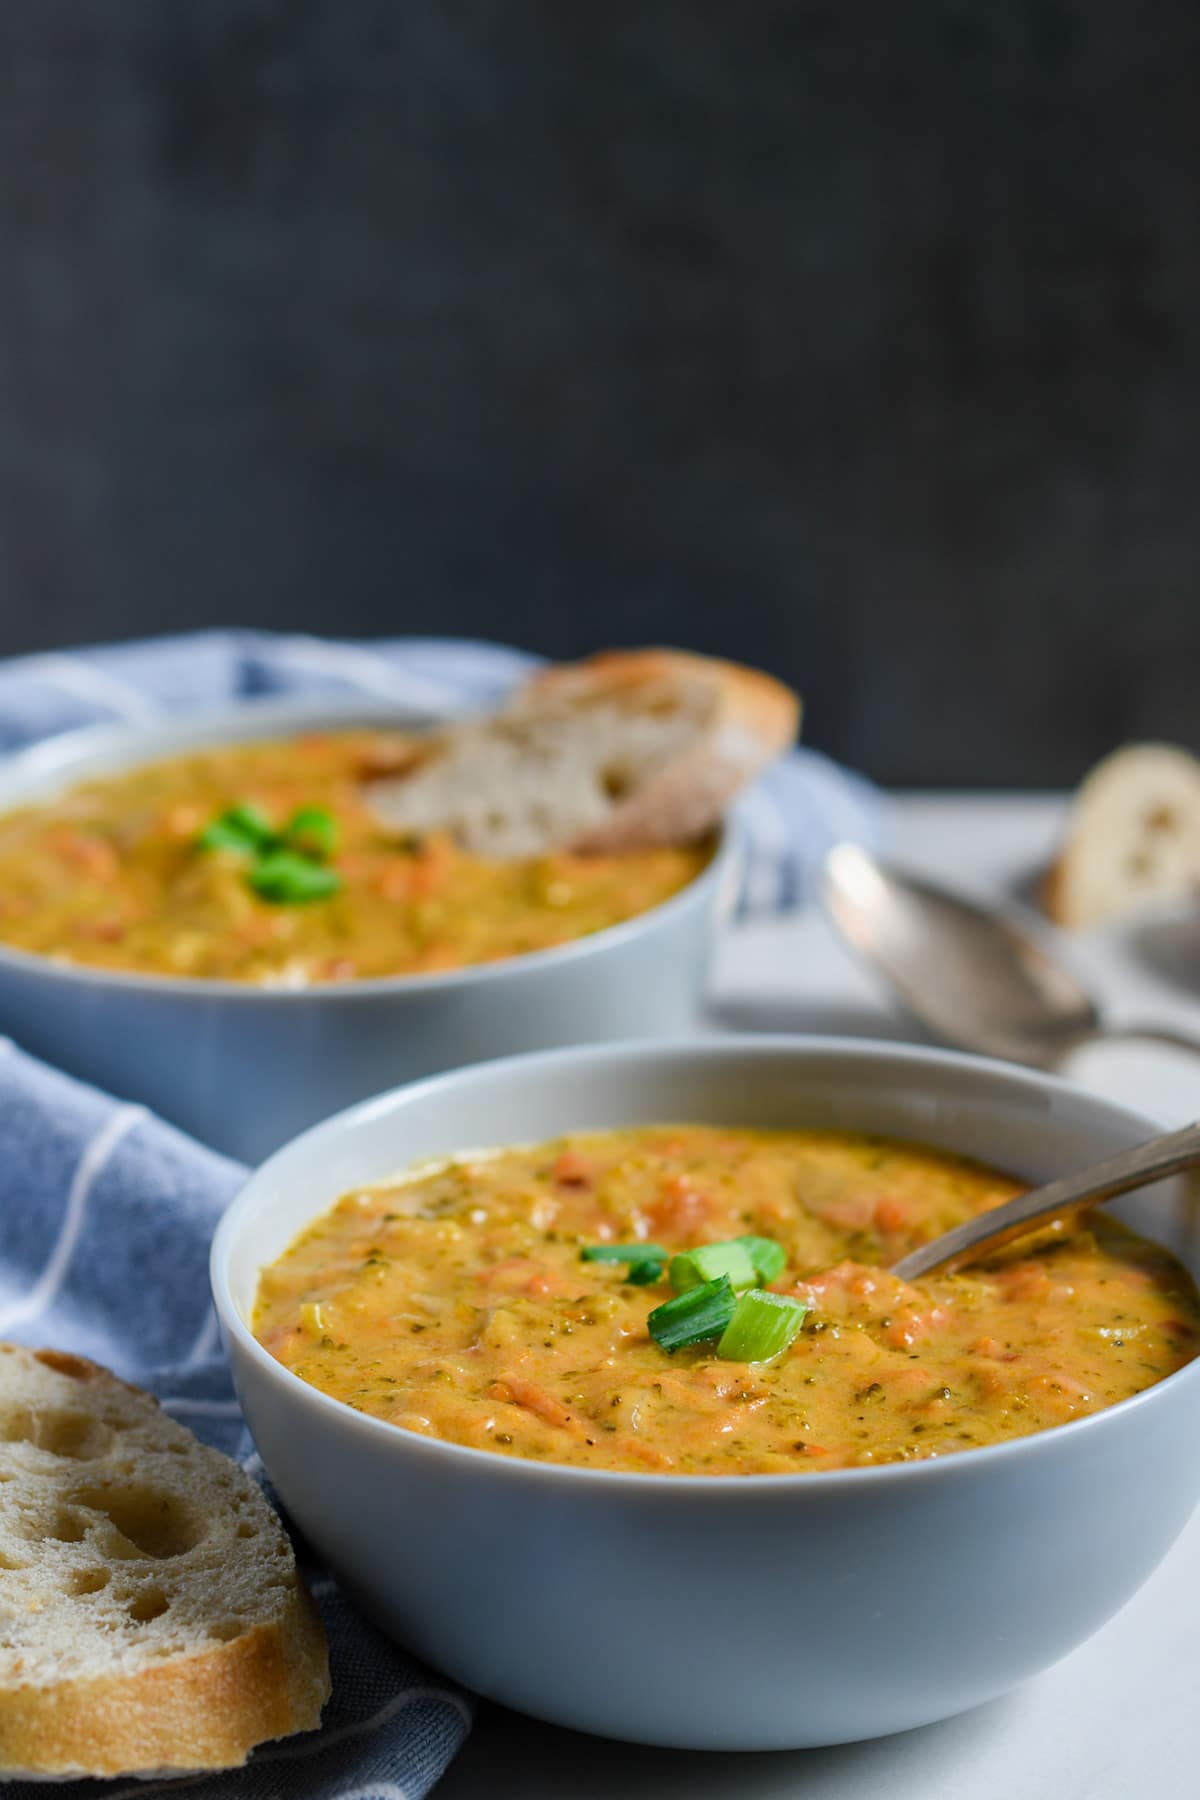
[906, 1381]
[535, 1399]
[431, 866]
[680, 1208]
[821, 1283]
[863, 1284]
[1024, 1281]
[438, 956]
[337, 968]
[993, 1348]
[395, 880]
[101, 931]
[910, 1325]
[572, 1170]
[95, 856]
[182, 821]
[523, 1275]
[891, 1214]
[638, 1448]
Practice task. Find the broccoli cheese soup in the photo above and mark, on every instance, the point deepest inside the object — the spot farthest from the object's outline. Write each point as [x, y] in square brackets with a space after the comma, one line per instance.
[265, 863]
[703, 1300]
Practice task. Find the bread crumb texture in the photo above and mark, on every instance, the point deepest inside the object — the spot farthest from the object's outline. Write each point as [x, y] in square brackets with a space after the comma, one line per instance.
[151, 1615]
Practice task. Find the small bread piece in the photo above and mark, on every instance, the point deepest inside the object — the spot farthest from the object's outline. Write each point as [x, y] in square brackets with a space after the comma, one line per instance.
[151, 1617]
[626, 751]
[1133, 837]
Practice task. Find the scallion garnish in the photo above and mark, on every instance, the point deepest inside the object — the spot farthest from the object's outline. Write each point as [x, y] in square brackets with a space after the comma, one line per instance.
[630, 1253]
[646, 1261]
[285, 866]
[312, 830]
[245, 828]
[762, 1325]
[285, 875]
[692, 1268]
[700, 1313]
[767, 1256]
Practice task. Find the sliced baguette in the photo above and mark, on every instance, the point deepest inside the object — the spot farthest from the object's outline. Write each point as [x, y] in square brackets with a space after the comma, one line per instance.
[1133, 837]
[151, 1616]
[626, 751]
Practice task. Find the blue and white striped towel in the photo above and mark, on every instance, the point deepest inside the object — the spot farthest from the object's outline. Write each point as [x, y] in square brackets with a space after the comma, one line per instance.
[106, 1213]
[105, 1220]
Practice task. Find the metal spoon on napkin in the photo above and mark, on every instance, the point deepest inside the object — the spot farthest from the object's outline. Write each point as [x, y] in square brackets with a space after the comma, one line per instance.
[973, 977]
[1151, 1161]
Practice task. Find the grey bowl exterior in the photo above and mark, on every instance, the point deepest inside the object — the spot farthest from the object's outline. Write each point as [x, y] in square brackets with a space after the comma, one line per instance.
[733, 1613]
[245, 1068]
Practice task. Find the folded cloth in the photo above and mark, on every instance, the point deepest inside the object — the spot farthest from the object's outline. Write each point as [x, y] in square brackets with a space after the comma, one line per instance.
[106, 1213]
[789, 819]
[105, 1220]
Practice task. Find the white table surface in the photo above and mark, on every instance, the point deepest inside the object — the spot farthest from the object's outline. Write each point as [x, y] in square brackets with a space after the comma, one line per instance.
[1118, 1718]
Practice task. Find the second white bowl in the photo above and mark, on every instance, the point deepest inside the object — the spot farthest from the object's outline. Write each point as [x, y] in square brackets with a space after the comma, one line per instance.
[244, 1067]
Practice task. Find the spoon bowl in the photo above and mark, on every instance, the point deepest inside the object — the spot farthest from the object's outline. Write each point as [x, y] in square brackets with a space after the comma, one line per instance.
[1159, 1157]
[974, 977]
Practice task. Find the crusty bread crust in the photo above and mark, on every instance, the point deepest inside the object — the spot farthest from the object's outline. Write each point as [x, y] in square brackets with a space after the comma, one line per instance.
[206, 1711]
[753, 720]
[126, 1655]
[629, 750]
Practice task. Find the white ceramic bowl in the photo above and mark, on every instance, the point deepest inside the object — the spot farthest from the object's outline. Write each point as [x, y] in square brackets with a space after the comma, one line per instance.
[243, 1067]
[737, 1612]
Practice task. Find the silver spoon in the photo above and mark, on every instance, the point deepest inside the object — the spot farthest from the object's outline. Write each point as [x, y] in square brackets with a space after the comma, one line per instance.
[973, 977]
[1151, 1161]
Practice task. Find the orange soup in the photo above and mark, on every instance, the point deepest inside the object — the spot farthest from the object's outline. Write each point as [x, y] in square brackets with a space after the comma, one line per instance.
[510, 1300]
[265, 863]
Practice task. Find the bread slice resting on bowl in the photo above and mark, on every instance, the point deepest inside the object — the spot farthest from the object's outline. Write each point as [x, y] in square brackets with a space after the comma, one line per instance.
[625, 751]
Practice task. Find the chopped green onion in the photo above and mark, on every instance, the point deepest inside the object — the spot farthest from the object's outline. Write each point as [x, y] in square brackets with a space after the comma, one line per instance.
[313, 831]
[630, 1253]
[243, 827]
[291, 879]
[646, 1261]
[762, 1325]
[767, 1256]
[702, 1312]
[694, 1267]
[284, 866]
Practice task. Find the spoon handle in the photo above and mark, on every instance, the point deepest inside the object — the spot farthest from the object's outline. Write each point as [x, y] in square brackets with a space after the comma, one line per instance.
[1151, 1161]
[1153, 1034]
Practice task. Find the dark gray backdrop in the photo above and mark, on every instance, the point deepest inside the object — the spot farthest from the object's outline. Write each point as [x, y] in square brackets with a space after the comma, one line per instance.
[859, 340]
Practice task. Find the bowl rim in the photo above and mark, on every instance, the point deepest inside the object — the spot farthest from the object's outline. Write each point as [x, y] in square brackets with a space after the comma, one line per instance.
[959, 1466]
[70, 753]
